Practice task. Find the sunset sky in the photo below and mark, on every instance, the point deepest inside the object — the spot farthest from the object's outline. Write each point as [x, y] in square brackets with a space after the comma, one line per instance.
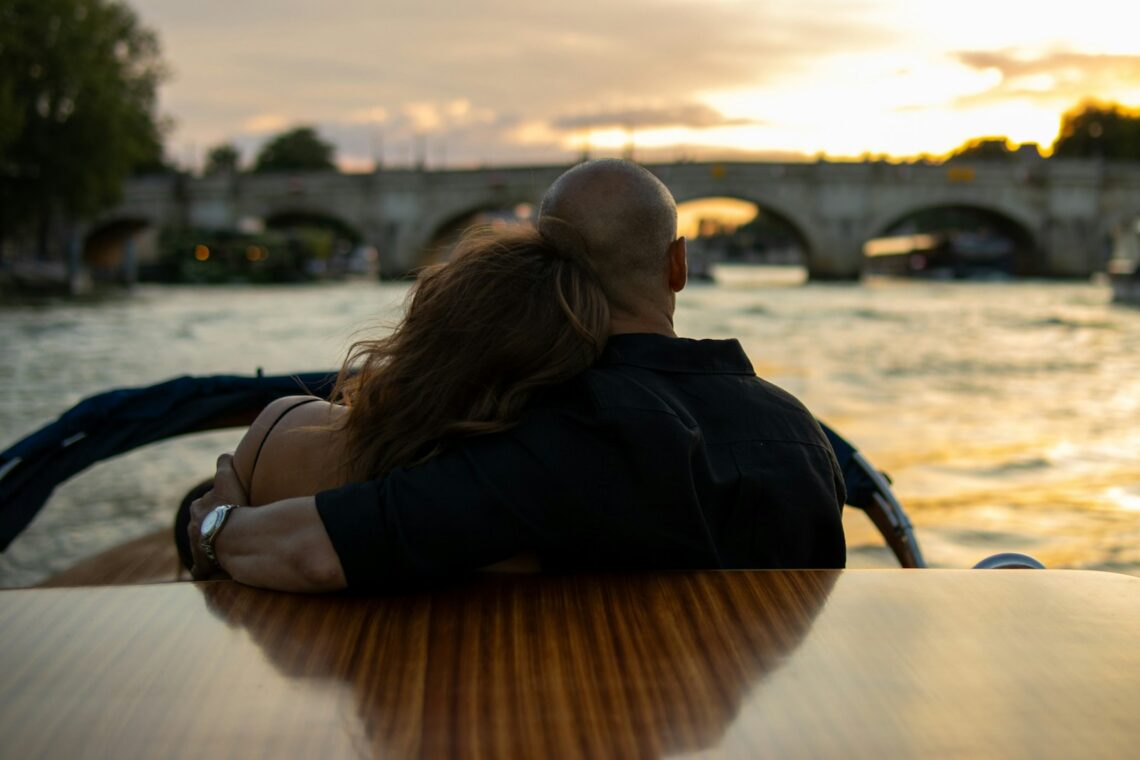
[510, 82]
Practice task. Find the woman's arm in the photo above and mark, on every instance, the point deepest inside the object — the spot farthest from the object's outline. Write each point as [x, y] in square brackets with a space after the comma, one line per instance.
[281, 546]
[290, 451]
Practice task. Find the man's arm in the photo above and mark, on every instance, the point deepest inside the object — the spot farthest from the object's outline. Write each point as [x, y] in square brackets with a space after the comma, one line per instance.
[466, 508]
[280, 546]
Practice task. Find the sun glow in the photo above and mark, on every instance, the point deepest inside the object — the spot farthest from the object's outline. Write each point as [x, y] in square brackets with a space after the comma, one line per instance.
[888, 104]
[898, 78]
[1128, 500]
[729, 212]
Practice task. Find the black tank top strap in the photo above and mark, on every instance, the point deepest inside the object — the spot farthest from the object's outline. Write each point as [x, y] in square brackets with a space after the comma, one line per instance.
[264, 438]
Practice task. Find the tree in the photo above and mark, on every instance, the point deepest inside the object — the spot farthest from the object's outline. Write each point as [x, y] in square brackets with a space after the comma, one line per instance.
[299, 149]
[1096, 130]
[222, 158]
[983, 149]
[78, 109]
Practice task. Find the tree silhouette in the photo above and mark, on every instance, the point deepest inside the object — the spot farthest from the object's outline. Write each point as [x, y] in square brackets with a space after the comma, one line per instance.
[1099, 130]
[984, 149]
[222, 158]
[299, 149]
[78, 109]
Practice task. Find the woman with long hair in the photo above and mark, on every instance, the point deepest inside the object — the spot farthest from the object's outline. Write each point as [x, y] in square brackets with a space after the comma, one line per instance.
[509, 315]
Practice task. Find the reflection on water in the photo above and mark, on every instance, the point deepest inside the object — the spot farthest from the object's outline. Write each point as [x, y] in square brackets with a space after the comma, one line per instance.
[1004, 411]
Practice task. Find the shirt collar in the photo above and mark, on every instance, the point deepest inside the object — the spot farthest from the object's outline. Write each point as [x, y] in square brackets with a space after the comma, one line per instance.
[666, 354]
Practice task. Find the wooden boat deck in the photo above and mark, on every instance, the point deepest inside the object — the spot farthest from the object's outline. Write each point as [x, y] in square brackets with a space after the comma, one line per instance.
[742, 664]
[149, 559]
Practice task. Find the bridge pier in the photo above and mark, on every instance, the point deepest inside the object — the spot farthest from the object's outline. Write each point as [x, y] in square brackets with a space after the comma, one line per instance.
[1074, 247]
[405, 249]
[1074, 240]
[834, 252]
[833, 269]
[381, 235]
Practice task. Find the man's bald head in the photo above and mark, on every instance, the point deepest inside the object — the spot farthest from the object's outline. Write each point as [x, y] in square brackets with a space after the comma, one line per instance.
[623, 219]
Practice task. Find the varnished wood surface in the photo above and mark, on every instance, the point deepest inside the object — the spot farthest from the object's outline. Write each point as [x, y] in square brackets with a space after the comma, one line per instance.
[152, 558]
[877, 664]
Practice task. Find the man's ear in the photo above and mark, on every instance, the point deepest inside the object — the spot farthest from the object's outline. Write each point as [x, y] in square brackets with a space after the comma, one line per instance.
[678, 265]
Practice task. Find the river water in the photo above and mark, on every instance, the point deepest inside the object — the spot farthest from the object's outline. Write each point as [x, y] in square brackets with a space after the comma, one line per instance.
[1005, 412]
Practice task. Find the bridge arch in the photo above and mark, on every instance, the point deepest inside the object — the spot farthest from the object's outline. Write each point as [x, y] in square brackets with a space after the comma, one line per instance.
[292, 216]
[726, 229]
[113, 248]
[787, 214]
[321, 242]
[441, 230]
[1019, 225]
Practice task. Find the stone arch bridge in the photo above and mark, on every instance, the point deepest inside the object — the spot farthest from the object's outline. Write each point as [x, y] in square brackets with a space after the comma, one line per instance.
[1066, 210]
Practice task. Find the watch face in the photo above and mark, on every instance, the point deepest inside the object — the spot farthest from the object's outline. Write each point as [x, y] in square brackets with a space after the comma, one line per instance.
[209, 523]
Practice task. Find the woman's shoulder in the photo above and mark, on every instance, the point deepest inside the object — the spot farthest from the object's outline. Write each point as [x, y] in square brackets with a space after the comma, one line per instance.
[294, 411]
[291, 413]
[274, 440]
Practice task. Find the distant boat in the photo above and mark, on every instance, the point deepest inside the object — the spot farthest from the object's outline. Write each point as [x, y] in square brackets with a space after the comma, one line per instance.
[1125, 279]
[33, 277]
[1125, 288]
[700, 264]
[941, 254]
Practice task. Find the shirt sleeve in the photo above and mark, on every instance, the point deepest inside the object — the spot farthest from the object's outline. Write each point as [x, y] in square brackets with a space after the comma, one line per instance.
[613, 489]
[586, 492]
[450, 514]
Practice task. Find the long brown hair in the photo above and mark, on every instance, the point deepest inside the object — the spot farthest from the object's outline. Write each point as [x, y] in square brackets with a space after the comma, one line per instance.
[508, 315]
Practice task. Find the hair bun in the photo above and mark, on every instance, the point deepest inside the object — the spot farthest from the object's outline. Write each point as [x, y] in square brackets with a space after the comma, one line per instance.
[566, 242]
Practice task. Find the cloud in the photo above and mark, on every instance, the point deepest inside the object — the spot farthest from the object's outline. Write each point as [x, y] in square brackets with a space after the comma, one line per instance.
[1058, 76]
[691, 115]
[373, 115]
[428, 116]
[266, 123]
[370, 62]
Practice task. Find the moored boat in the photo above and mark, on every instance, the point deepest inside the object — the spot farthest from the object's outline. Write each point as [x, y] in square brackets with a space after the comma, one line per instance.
[1125, 287]
[1124, 272]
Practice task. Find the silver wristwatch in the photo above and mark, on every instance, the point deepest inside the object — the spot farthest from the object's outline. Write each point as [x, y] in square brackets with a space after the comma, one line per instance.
[211, 527]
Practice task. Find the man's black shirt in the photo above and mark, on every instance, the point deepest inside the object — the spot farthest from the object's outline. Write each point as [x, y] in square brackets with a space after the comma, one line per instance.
[669, 453]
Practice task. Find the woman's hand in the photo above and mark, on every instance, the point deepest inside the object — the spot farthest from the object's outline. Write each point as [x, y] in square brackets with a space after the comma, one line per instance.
[227, 490]
[282, 545]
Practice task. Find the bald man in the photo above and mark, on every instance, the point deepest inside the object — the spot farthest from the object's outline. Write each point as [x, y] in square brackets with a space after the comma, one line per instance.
[668, 454]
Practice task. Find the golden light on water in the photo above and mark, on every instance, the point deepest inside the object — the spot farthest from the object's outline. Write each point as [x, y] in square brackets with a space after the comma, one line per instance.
[1046, 494]
[1128, 500]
